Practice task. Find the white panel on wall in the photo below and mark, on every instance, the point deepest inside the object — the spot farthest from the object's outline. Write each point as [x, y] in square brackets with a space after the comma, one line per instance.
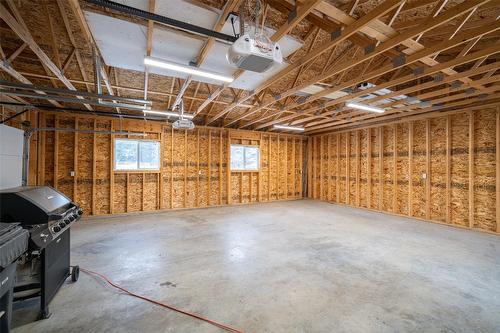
[11, 156]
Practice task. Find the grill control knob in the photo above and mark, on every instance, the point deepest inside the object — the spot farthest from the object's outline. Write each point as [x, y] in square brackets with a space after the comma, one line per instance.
[62, 224]
[71, 218]
[66, 221]
[56, 229]
[80, 212]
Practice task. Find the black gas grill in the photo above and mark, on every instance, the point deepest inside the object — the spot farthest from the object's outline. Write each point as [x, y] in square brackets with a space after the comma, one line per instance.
[48, 215]
[13, 243]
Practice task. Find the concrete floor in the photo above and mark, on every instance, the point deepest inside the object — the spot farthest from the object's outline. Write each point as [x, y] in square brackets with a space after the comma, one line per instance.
[301, 266]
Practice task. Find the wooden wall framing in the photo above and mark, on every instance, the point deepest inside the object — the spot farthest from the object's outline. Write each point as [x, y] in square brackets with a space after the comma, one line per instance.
[443, 168]
[194, 166]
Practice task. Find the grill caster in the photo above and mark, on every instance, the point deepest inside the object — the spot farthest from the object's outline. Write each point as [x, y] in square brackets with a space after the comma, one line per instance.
[75, 273]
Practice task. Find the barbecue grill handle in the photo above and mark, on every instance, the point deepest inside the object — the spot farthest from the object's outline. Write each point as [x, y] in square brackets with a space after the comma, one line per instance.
[55, 217]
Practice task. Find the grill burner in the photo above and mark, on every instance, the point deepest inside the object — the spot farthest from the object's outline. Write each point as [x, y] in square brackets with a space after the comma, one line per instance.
[48, 215]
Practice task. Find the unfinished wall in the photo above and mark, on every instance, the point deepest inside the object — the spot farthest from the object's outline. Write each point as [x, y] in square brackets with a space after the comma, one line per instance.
[194, 166]
[444, 168]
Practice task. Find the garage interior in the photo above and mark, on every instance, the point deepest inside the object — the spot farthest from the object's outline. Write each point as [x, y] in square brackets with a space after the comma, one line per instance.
[351, 184]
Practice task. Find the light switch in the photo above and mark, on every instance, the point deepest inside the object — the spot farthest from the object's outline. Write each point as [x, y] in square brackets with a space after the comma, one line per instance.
[424, 176]
[72, 173]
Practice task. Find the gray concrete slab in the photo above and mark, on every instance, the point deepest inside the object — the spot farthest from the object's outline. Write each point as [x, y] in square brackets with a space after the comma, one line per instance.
[301, 266]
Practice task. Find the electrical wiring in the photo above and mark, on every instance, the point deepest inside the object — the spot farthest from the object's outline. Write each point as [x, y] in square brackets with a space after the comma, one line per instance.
[187, 313]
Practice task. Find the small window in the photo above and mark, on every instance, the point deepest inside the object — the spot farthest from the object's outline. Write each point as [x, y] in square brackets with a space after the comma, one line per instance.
[137, 154]
[245, 157]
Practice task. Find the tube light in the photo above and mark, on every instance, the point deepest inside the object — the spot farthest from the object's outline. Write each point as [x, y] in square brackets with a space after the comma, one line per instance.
[364, 107]
[185, 69]
[170, 114]
[290, 128]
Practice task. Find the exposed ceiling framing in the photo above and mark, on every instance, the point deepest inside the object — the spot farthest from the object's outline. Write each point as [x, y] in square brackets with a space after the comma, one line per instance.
[444, 54]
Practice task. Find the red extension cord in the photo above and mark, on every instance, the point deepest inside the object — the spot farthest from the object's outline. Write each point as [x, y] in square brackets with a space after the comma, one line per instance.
[194, 315]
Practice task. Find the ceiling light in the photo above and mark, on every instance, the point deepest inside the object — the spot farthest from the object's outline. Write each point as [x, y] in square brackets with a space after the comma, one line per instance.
[364, 107]
[185, 69]
[290, 128]
[169, 113]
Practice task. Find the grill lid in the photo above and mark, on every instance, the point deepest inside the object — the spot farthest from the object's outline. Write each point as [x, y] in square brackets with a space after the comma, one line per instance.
[32, 204]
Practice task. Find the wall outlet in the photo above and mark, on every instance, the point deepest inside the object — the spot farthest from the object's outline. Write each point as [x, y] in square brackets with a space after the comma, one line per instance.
[199, 172]
[72, 173]
[424, 176]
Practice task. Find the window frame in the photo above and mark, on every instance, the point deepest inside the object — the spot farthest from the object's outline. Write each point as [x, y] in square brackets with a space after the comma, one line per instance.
[138, 169]
[244, 158]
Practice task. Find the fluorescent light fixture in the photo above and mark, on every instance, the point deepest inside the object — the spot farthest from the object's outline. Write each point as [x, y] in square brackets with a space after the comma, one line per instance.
[364, 107]
[169, 113]
[290, 128]
[185, 69]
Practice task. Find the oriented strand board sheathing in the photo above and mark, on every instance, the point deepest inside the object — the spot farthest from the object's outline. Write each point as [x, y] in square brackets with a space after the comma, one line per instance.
[134, 190]
[484, 173]
[65, 156]
[203, 172]
[353, 156]
[433, 184]
[419, 169]
[459, 169]
[178, 162]
[375, 168]
[438, 169]
[388, 167]
[120, 193]
[84, 168]
[342, 168]
[363, 186]
[187, 159]
[403, 175]
[103, 171]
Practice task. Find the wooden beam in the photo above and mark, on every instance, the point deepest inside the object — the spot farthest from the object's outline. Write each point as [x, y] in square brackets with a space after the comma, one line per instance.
[497, 190]
[21, 30]
[300, 14]
[471, 169]
[347, 167]
[381, 167]
[17, 52]
[459, 39]
[428, 182]
[448, 170]
[410, 168]
[344, 35]
[395, 170]
[337, 172]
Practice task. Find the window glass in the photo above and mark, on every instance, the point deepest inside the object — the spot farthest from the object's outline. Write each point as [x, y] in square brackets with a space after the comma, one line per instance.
[244, 157]
[137, 154]
[237, 157]
[149, 155]
[251, 158]
[126, 152]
